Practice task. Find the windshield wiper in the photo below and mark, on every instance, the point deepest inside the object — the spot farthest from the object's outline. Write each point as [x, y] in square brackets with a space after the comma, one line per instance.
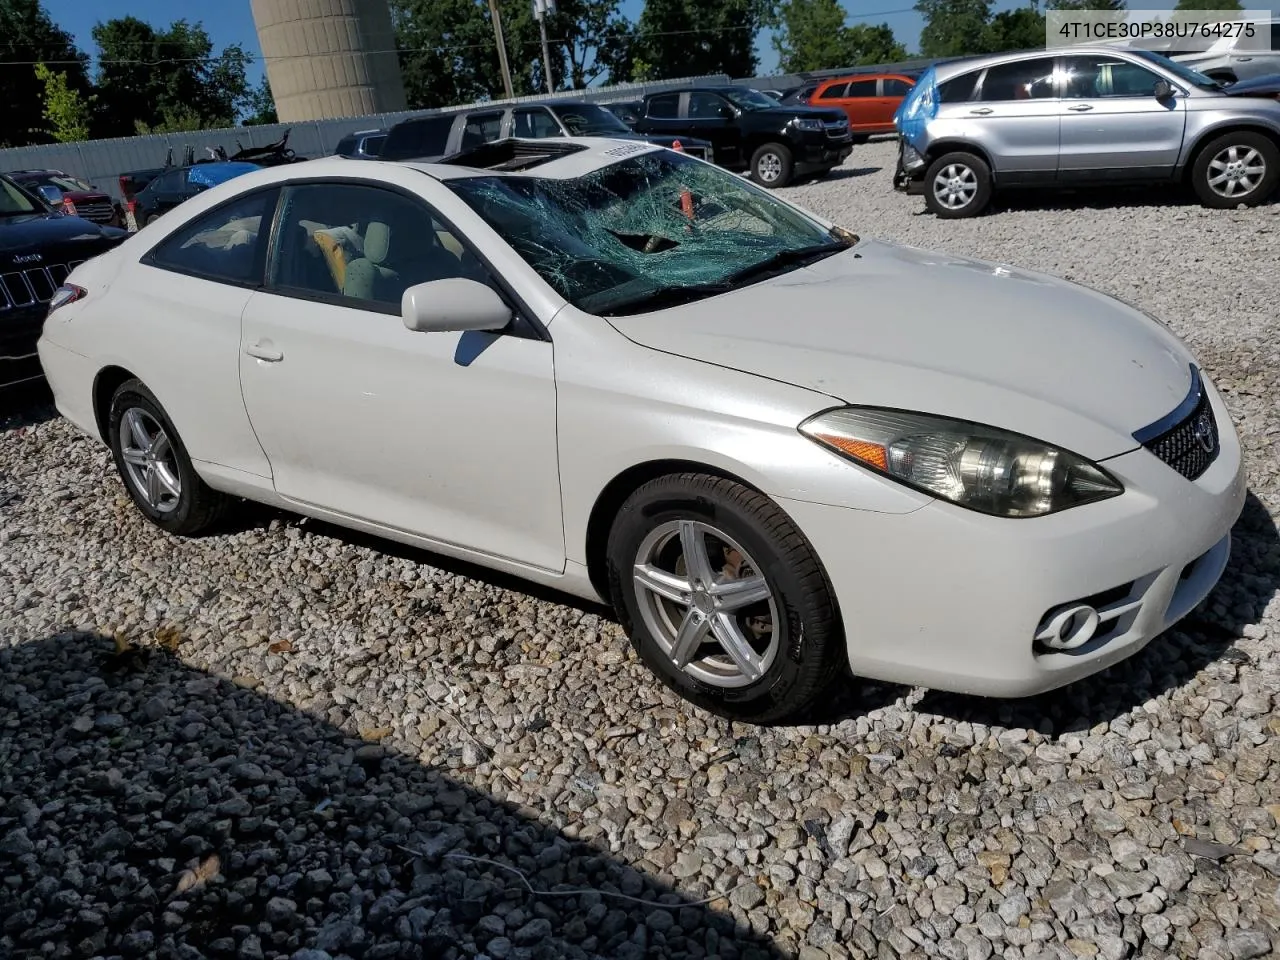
[800, 256]
[665, 297]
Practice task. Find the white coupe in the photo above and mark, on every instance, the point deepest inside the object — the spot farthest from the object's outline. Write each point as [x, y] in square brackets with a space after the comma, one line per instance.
[777, 449]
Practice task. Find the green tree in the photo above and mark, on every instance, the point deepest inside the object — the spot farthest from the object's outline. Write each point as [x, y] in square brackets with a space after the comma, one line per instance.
[65, 109]
[1208, 5]
[260, 106]
[163, 78]
[812, 35]
[953, 28]
[679, 38]
[1020, 29]
[27, 36]
[448, 55]
[589, 40]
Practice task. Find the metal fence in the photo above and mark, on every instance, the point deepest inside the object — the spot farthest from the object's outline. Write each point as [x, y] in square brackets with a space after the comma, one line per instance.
[101, 162]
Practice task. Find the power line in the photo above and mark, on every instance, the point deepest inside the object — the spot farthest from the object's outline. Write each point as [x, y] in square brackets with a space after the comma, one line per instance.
[454, 48]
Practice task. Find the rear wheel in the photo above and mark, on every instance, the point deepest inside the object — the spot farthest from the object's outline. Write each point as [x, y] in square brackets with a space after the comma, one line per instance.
[1236, 168]
[957, 185]
[724, 599]
[155, 467]
[772, 165]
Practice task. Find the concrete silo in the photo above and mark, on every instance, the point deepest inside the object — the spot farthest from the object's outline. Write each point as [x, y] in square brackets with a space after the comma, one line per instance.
[329, 58]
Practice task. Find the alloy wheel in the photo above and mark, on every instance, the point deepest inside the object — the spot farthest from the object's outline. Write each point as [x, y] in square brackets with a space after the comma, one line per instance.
[150, 463]
[1236, 171]
[707, 603]
[955, 186]
[769, 167]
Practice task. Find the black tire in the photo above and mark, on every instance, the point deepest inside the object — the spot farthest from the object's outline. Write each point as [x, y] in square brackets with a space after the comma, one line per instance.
[197, 507]
[151, 218]
[968, 168]
[807, 634]
[1247, 144]
[772, 165]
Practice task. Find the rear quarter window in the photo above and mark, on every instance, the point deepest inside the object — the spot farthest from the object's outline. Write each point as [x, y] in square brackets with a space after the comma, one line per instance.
[665, 106]
[425, 137]
[958, 89]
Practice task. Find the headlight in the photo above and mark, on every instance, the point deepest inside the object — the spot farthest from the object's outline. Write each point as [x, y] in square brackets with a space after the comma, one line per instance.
[985, 469]
[807, 123]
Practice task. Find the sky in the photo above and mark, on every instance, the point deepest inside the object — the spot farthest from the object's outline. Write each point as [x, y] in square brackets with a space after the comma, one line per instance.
[230, 21]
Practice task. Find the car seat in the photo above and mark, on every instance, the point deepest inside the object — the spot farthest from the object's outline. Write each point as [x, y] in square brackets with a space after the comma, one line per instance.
[366, 278]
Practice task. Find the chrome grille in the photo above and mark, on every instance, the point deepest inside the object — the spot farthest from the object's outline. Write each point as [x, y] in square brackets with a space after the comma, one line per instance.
[1187, 439]
[99, 211]
[26, 288]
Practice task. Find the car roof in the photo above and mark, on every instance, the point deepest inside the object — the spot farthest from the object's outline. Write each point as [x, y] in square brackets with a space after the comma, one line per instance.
[953, 68]
[568, 158]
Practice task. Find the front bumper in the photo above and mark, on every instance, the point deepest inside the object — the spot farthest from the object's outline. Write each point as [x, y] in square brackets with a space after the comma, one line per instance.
[19, 331]
[822, 153]
[950, 599]
[908, 173]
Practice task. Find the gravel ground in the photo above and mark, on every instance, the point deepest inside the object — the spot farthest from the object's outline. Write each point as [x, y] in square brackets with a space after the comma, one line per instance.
[285, 741]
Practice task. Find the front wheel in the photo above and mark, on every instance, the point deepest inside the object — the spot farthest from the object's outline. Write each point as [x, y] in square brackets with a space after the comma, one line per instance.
[1236, 168]
[155, 467]
[957, 185]
[772, 165]
[724, 599]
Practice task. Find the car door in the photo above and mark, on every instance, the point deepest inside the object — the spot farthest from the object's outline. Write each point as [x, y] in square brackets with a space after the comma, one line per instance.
[1113, 126]
[831, 94]
[660, 114]
[892, 92]
[710, 116]
[186, 297]
[446, 436]
[1014, 115]
[860, 103]
[535, 123]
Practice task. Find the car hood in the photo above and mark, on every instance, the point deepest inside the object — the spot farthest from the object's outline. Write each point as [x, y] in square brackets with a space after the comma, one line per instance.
[826, 114]
[38, 231]
[893, 326]
[1267, 87]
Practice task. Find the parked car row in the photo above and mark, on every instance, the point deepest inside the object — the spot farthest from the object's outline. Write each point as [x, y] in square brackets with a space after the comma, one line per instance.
[758, 133]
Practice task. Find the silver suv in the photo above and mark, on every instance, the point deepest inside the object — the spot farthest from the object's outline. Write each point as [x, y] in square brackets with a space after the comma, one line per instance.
[1090, 115]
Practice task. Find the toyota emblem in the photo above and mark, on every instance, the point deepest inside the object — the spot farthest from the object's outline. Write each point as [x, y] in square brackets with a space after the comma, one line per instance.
[1204, 432]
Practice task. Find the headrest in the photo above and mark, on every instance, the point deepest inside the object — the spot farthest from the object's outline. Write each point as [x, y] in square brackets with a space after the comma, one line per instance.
[377, 241]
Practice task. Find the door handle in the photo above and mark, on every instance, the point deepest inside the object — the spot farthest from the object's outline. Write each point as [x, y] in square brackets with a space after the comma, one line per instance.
[264, 351]
[1243, 59]
[1081, 107]
[981, 111]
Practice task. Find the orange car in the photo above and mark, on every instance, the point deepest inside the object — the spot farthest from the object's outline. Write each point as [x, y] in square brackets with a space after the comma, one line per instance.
[869, 100]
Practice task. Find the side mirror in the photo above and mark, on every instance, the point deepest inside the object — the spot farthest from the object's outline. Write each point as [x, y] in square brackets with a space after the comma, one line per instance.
[1163, 89]
[726, 112]
[455, 304]
[51, 195]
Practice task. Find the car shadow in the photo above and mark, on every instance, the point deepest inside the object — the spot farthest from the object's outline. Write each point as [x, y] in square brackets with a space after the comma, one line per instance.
[1097, 198]
[852, 697]
[845, 173]
[25, 405]
[1207, 635]
[148, 809]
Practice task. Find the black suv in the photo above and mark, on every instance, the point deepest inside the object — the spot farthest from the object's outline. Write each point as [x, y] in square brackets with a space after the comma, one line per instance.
[38, 248]
[774, 142]
[443, 135]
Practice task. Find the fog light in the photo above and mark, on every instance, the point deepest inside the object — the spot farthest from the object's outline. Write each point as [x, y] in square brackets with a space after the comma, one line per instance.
[1069, 627]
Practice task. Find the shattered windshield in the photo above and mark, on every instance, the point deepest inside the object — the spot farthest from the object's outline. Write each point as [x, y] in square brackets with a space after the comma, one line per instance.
[649, 231]
[588, 120]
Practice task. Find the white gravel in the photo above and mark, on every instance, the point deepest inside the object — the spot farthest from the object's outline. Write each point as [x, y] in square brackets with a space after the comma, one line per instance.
[331, 717]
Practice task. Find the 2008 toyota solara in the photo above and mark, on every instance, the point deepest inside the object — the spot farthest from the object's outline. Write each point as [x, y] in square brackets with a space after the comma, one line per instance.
[781, 451]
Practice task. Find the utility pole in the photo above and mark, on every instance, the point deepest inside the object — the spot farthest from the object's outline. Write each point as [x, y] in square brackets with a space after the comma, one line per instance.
[540, 10]
[502, 48]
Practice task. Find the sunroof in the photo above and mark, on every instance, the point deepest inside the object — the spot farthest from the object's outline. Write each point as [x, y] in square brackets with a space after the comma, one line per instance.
[513, 154]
